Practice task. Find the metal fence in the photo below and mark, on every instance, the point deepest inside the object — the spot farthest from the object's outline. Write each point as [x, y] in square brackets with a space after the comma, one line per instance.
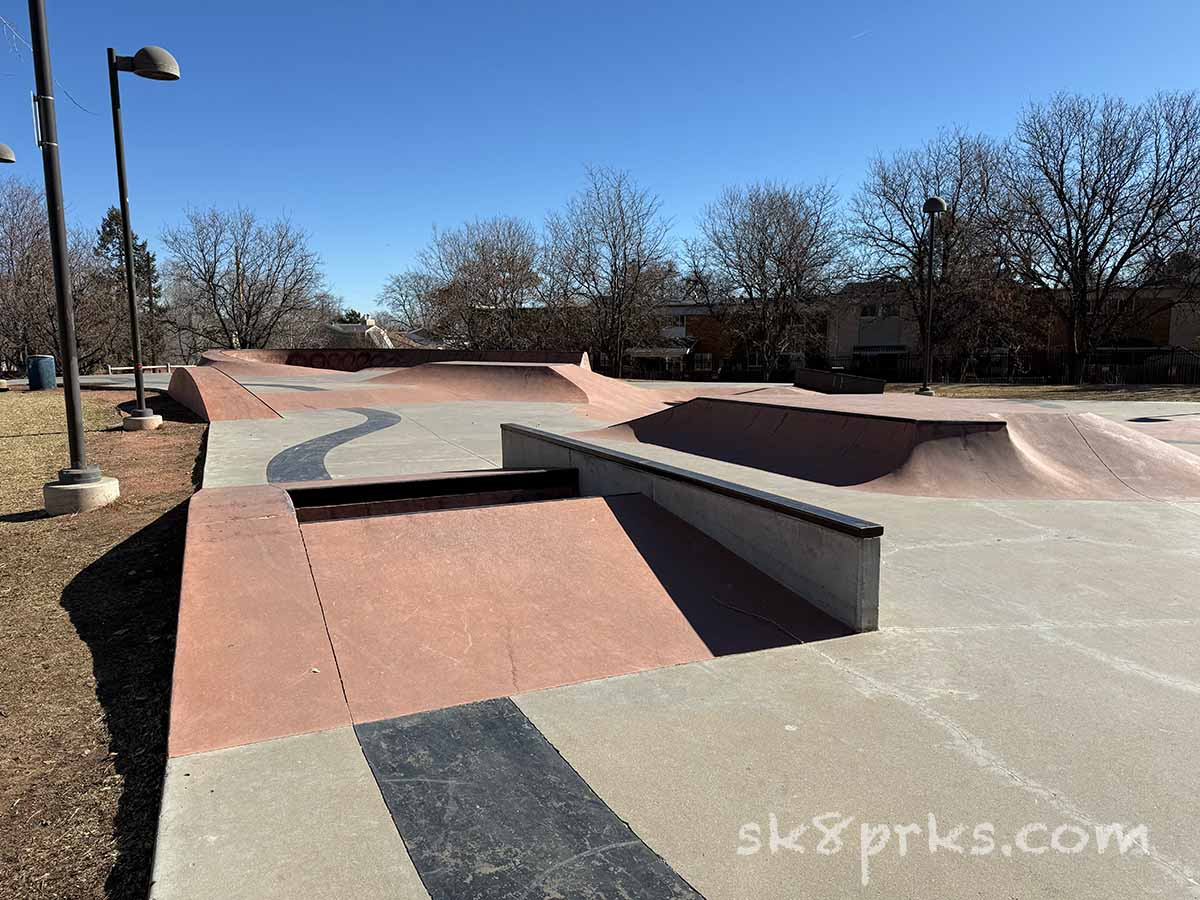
[1111, 365]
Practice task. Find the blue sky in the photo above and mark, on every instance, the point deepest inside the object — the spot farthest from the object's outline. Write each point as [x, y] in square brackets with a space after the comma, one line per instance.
[367, 123]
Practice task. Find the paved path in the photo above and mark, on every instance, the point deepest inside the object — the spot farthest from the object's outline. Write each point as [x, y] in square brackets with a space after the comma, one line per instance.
[1035, 680]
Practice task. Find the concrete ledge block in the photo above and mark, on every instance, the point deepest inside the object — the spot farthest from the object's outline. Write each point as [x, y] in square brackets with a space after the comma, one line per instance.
[830, 559]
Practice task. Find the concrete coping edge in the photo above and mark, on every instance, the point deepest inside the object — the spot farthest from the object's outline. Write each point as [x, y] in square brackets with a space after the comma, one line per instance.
[827, 518]
[992, 419]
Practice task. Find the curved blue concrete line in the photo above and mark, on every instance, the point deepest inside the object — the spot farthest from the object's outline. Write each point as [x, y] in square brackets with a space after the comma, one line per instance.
[306, 461]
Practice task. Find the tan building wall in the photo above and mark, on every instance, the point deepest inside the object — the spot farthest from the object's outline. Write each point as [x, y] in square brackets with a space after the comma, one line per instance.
[1185, 327]
[859, 325]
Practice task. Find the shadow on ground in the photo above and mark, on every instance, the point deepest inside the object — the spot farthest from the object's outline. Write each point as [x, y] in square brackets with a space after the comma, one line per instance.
[124, 607]
[162, 405]
[28, 515]
[731, 606]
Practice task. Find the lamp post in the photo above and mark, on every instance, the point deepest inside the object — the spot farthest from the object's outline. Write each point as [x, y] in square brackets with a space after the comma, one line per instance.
[934, 206]
[80, 487]
[6, 156]
[157, 64]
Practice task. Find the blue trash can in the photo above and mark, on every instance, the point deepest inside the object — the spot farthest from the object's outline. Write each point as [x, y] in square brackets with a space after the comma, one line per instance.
[40, 371]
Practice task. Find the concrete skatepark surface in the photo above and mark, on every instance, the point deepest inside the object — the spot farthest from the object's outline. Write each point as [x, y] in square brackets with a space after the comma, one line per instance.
[615, 728]
[899, 444]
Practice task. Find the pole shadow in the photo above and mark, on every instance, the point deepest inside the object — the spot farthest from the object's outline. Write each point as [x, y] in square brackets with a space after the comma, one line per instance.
[124, 607]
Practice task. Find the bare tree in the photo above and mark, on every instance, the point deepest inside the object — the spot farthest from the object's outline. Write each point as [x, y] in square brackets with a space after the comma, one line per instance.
[768, 253]
[611, 253]
[28, 318]
[977, 301]
[25, 295]
[411, 299]
[1101, 202]
[234, 282]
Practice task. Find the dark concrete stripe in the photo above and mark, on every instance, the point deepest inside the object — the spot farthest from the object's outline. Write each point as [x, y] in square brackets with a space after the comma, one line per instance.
[306, 461]
[488, 809]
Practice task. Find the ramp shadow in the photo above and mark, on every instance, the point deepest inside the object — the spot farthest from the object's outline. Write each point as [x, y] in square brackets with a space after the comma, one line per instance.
[731, 605]
[827, 446]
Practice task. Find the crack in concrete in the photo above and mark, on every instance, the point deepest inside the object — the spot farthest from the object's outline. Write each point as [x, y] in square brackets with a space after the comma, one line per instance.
[1121, 664]
[973, 748]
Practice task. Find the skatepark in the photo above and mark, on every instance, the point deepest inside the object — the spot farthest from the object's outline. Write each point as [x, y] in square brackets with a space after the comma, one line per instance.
[496, 625]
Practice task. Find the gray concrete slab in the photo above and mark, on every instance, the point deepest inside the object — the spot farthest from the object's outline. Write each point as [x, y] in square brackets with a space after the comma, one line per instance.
[238, 451]
[990, 729]
[299, 817]
[430, 437]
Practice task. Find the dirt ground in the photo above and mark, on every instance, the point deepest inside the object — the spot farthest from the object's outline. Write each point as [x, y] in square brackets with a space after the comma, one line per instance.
[87, 622]
[1060, 391]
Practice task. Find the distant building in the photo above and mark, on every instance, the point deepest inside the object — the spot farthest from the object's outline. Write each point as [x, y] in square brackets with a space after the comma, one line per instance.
[357, 335]
[866, 320]
[694, 346]
[419, 339]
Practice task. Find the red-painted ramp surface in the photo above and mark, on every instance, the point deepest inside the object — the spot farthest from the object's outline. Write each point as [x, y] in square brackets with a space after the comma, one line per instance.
[215, 396]
[951, 450]
[435, 609]
[606, 397]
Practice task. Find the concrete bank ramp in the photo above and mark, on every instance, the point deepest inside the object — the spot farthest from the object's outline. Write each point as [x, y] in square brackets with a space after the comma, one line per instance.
[528, 382]
[1041, 454]
[332, 361]
[215, 397]
[430, 610]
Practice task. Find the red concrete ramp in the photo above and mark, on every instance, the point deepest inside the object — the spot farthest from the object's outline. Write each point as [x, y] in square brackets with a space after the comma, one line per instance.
[595, 394]
[214, 396]
[260, 363]
[330, 361]
[535, 382]
[978, 455]
[429, 610]
[611, 398]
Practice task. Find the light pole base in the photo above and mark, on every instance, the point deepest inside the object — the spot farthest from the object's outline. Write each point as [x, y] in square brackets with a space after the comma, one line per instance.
[926, 391]
[62, 498]
[3, 385]
[136, 422]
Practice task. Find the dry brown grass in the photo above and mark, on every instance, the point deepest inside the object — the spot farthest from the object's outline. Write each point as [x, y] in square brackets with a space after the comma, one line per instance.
[1060, 391]
[87, 623]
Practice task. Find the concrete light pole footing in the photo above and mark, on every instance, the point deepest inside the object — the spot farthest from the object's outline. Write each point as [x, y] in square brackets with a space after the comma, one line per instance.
[141, 423]
[63, 499]
[926, 392]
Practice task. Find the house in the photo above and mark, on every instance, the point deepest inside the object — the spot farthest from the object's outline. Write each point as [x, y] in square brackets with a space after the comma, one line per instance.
[695, 345]
[865, 319]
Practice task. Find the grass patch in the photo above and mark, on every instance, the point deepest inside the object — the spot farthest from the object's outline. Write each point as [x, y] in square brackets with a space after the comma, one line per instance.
[1060, 391]
[87, 618]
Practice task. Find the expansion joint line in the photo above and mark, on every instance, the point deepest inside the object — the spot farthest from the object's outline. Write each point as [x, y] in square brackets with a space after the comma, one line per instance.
[448, 441]
[1088, 444]
[325, 621]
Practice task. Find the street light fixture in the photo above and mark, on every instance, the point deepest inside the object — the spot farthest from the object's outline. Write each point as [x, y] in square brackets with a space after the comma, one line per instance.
[157, 64]
[934, 207]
